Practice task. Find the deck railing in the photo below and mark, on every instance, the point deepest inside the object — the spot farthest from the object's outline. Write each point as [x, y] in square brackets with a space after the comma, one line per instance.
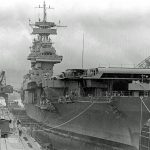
[104, 96]
[117, 93]
[125, 94]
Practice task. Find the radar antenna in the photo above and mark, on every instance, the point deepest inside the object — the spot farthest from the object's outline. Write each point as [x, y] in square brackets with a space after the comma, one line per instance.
[44, 11]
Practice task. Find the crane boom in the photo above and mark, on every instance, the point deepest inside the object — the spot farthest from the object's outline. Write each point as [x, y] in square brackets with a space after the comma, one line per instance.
[2, 78]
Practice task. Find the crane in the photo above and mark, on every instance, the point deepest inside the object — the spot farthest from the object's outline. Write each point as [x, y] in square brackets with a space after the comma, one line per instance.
[4, 89]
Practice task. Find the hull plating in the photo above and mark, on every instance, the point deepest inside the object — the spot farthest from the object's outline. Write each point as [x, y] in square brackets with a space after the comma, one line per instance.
[99, 120]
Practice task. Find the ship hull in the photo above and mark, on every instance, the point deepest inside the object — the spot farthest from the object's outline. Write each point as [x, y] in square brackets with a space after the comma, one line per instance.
[98, 120]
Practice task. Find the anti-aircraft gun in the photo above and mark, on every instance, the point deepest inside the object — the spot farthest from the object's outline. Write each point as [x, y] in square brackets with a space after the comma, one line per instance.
[4, 89]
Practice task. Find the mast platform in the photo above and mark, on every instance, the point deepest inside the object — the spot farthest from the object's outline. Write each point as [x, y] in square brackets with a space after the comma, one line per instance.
[44, 31]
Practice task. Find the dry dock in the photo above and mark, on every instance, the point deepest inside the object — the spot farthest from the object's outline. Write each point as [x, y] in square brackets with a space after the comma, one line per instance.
[11, 139]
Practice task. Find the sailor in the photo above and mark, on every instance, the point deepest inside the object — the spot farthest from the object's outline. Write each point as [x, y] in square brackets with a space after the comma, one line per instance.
[60, 99]
[42, 99]
[106, 93]
[75, 93]
[71, 95]
[90, 97]
[18, 123]
[121, 94]
[67, 97]
[19, 127]
[148, 123]
[48, 146]
[11, 125]
[10, 121]
[20, 131]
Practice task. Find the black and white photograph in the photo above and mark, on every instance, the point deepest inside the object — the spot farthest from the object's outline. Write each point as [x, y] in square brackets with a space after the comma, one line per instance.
[74, 75]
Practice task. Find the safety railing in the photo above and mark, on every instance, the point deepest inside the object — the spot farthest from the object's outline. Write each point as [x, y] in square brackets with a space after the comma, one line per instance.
[123, 94]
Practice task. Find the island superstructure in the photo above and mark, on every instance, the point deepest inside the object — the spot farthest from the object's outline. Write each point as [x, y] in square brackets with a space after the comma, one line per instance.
[43, 55]
[98, 103]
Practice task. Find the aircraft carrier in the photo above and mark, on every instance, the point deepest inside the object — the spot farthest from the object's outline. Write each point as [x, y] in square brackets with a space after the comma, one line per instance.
[107, 106]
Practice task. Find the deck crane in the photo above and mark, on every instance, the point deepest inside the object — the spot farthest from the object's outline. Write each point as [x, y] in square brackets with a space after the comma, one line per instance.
[4, 89]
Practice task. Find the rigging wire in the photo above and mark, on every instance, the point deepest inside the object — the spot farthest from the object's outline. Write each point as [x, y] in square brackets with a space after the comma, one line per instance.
[145, 105]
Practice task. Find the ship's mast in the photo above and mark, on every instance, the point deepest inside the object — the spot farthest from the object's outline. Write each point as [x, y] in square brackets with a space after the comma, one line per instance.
[43, 55]
[83, 52]
[44, 12]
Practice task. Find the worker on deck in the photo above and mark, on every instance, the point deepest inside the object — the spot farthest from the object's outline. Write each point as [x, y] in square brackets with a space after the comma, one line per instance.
[18, 123]
[19, 127]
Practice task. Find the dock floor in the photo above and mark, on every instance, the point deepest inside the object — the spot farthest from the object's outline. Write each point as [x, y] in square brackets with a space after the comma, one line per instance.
[14, 141]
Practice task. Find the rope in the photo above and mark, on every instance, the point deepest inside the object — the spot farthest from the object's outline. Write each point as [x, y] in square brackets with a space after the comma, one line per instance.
[72, 118]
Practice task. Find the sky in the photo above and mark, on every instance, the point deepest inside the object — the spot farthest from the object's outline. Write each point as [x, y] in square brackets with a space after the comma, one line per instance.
[116, 33]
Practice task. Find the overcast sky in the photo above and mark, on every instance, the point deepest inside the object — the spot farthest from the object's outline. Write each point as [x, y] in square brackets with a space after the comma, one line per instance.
[116, 32]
